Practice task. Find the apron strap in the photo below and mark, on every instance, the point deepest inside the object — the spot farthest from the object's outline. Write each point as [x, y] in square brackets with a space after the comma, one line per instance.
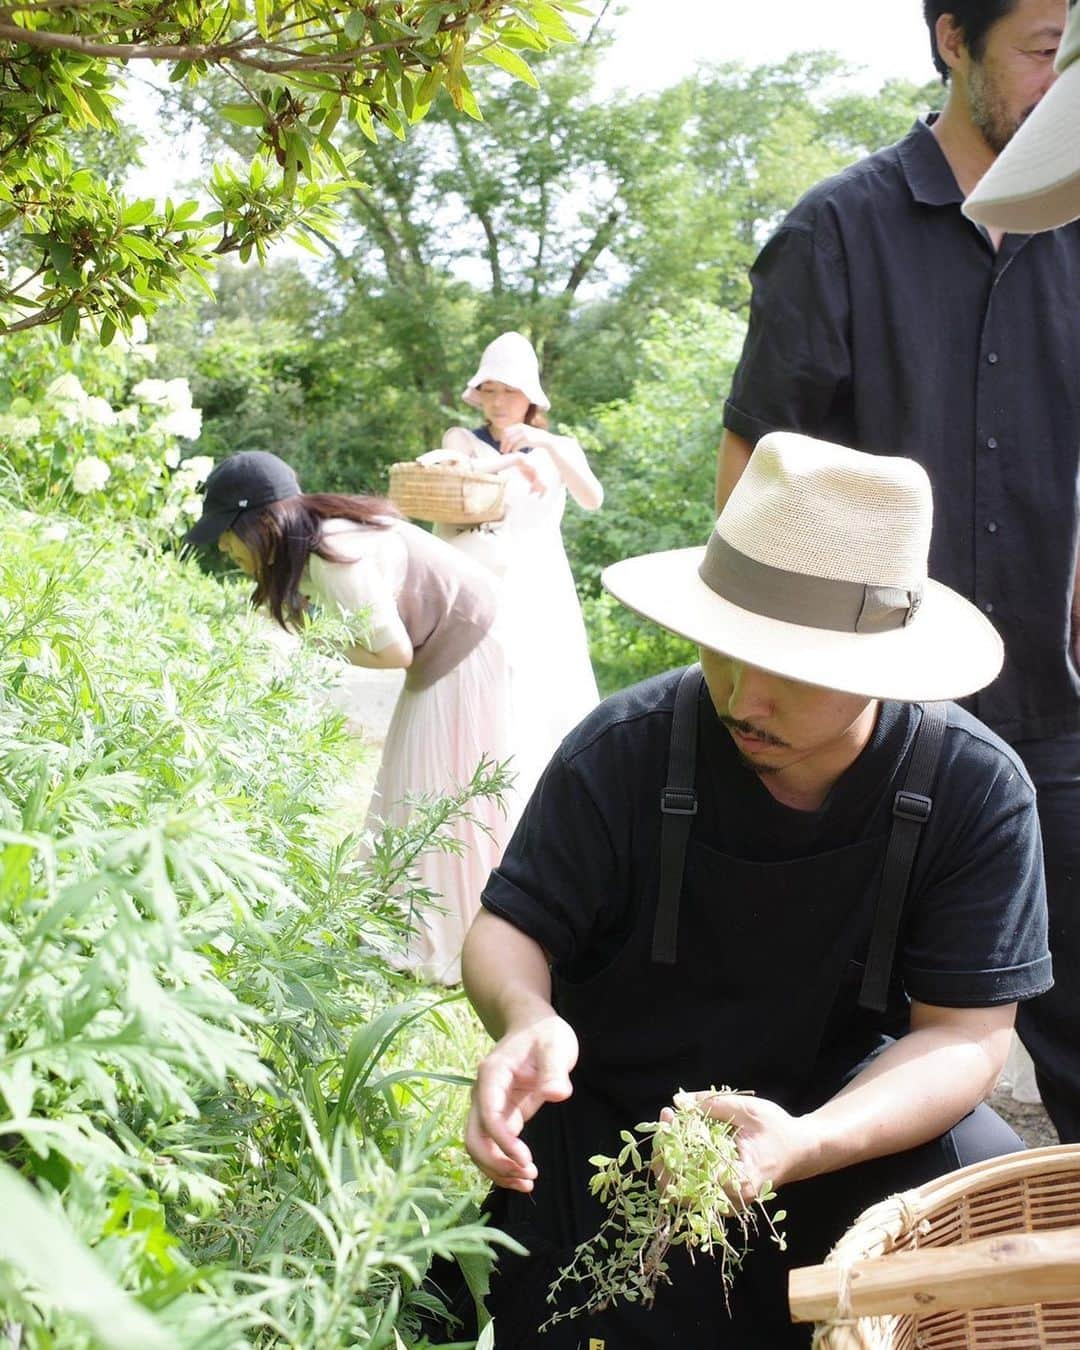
[678, 806]
[911, 810]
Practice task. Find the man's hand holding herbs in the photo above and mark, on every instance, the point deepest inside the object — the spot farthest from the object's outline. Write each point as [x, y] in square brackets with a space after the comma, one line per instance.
[774, 1146]
[529, 1065]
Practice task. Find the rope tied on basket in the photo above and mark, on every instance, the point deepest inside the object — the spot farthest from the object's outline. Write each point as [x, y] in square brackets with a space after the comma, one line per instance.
[896, 1207]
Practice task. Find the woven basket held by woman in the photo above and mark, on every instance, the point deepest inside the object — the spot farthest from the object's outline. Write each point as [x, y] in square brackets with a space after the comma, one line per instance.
[552, 682]
[430, 610]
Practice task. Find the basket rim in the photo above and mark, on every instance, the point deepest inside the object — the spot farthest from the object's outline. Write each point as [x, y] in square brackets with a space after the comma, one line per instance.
[896, 1215]
[452, 471]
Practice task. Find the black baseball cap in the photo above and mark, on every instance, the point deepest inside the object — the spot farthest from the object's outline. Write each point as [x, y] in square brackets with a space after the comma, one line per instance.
[246, 481]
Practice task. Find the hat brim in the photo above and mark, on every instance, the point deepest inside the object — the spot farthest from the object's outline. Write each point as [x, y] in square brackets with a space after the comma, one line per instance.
[948, 650]
[536, 396]
[1034, 184]
[210, 527]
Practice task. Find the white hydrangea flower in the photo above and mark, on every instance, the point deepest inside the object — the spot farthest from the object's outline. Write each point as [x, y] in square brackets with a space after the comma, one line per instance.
[194, 470]
[98, 411]
[127, 417]
[167, 516]
[177, 395]
[125, 463]
[66, 388]
[55, 533]
[171, 456]
[186, 422]
[192, 506]
[19, 429]
[150, 391]
[89, 475]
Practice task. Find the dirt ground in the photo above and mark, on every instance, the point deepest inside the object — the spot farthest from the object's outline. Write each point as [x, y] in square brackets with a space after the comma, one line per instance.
[1028, 1119]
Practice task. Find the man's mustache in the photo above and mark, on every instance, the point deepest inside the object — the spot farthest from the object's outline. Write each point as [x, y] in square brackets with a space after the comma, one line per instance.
[748, 729]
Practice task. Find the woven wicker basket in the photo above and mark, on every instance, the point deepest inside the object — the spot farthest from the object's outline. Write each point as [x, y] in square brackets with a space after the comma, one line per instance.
[446, 493]
[950, 1265]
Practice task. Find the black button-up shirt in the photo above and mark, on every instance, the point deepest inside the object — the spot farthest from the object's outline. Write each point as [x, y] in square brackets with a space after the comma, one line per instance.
[884, 320]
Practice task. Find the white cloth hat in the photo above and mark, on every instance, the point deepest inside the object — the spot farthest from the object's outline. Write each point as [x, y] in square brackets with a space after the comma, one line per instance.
[510, 359]
[1034, 184]
[816, 570]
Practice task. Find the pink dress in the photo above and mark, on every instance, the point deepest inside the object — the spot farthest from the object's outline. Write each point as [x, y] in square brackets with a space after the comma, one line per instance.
[445, 720]
[551, 677]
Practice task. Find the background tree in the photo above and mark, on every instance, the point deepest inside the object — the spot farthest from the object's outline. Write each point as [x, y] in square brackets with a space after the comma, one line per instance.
[295, 69]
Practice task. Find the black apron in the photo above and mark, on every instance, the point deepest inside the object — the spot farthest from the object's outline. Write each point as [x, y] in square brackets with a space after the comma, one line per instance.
[759, 992]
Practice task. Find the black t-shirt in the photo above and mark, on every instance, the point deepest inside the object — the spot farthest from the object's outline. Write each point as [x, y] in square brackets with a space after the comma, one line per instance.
[584, 858]
[883, 319]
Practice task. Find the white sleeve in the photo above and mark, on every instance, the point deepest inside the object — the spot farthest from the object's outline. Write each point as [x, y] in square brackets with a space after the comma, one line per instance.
[360, 585]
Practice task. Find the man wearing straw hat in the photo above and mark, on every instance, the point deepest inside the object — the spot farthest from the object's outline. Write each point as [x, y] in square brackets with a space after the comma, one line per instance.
[749, 874]
[885, 320]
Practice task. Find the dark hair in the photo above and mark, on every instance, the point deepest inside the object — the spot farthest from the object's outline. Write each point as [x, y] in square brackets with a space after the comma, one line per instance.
[974, 18]
[282, 536]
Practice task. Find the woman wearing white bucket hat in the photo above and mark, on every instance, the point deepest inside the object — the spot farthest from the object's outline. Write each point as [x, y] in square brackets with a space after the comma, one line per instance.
[552, 680]
[775, 871]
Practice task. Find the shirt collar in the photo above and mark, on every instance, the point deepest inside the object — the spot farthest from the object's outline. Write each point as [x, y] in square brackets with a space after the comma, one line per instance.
[929, 177]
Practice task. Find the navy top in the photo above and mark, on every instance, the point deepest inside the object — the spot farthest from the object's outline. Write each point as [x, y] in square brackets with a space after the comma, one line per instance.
[584, 857]
[882, 319]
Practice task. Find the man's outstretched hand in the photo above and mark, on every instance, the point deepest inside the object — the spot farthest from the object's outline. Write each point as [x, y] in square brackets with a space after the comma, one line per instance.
[529, 1066]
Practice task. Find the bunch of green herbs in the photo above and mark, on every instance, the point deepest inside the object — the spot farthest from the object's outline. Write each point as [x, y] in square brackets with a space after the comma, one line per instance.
[684, 1191]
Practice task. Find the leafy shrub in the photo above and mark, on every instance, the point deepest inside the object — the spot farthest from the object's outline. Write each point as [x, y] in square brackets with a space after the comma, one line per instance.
[206, 1063]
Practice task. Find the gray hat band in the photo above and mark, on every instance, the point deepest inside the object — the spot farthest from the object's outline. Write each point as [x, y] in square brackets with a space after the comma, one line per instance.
[796, 597]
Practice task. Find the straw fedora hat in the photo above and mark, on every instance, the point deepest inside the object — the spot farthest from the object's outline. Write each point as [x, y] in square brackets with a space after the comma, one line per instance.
[511, 360]
[1034, 184]
[816, 570]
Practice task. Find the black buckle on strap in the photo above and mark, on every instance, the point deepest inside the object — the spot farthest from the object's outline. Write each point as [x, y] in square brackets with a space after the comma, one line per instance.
[678, 802]
[912, 806]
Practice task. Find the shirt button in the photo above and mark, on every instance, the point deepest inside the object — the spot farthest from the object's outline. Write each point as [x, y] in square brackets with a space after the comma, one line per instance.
[992, 357]
[991, 527]
[991, 443]
[989, 607]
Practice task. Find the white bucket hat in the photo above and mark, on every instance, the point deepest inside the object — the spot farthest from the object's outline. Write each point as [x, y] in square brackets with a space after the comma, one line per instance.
[510, 359]
[816, 570]
[1034, 184]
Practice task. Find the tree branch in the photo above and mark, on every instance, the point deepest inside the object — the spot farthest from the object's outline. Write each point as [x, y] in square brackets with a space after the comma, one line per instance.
[214, 53]
[597, 244]
[478, 209]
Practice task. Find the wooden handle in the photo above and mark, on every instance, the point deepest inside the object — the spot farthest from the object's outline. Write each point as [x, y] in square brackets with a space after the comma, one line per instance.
[994, 1272]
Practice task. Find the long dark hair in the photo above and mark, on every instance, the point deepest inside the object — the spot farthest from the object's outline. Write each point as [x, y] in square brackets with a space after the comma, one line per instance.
[282, 536]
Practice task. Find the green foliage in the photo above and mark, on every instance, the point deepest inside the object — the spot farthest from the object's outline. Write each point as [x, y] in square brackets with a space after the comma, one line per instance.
[655, 451]
[198, 1070]
[683, 1193]
[80, 432]
[297, 69]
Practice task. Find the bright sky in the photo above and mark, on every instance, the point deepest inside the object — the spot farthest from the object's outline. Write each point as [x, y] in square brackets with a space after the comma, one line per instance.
[660, 40]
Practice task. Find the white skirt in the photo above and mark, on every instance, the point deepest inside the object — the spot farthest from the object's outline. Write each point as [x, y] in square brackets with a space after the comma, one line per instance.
[435, 741]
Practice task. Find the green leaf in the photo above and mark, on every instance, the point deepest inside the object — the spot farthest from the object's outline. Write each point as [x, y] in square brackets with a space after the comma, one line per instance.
[510, 62]
[136, 212]
[107, 331]
[244, 114]
[69, 325]
[38, 1243]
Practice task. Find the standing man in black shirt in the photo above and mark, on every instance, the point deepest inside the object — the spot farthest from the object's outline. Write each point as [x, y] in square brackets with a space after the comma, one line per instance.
[883, 319]
[767, 943]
